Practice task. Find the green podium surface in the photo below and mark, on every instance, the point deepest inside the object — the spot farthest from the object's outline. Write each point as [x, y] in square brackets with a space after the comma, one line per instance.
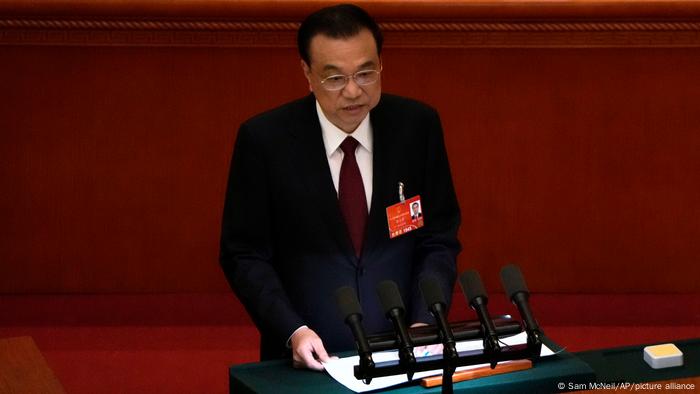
[279, 377]
[627, 365]
[564, 371]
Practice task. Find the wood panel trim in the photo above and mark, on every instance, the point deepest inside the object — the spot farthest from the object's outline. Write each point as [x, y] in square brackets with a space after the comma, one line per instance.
[91, 24]
[398, 34]
[590, 23]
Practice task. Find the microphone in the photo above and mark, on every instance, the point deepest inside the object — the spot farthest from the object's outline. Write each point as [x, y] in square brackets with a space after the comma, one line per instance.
[473, 289]
[351, 311]
[393, 308]
[514, 284]
[435, 299]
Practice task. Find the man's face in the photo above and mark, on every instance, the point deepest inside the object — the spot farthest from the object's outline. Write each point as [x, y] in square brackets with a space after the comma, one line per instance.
[347, 107]
[415, 208]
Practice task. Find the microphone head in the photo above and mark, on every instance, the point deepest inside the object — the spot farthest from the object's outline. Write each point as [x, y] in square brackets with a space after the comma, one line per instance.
[389, 296]
[472, 286]
[346, 300]
[513, 281]
[432, 293]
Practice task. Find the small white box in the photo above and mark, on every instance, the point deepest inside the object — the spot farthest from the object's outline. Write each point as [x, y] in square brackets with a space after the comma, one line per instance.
[663, 356]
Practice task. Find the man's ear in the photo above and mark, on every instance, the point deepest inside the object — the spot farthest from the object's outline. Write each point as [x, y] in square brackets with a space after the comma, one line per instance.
[307, 73]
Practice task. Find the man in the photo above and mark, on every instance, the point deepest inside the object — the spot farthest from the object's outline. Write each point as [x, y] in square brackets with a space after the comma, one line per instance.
[415, 211]
[285, 264]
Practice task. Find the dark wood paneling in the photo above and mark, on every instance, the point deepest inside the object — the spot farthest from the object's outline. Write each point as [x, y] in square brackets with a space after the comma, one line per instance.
[580, 164]
[576, 159]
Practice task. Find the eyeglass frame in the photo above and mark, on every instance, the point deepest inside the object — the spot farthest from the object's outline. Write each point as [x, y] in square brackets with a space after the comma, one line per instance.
[347, 77]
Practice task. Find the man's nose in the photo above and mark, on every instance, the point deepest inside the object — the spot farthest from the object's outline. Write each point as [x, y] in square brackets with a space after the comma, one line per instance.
[352, 89]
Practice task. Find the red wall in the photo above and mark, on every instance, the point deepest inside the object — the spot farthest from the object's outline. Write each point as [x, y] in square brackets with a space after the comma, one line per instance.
[578, 161]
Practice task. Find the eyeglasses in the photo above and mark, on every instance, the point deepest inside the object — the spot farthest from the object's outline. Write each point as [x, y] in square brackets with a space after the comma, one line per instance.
[362, 78]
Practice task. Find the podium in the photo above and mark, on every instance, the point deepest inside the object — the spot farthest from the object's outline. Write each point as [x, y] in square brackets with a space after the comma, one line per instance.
[279, 377]
[627, 365]
[577, 371]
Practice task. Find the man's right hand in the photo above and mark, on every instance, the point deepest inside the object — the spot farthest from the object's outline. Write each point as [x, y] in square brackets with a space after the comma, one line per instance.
[308, 350]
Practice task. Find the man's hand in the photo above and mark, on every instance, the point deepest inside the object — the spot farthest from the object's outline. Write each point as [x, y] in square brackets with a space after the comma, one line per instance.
[428, 350]
[308, 350]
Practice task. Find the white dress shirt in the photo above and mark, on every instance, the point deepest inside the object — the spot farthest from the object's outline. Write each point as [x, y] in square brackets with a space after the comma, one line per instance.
[333, 137]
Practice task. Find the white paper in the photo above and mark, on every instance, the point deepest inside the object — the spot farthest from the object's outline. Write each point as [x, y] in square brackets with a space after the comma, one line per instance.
[342, 370]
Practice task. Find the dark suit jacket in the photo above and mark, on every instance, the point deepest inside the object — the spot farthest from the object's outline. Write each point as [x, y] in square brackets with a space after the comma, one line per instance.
[284, 245]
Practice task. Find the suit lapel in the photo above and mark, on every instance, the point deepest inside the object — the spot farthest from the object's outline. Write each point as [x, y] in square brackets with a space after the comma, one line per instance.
[384, 192]
[312, 161]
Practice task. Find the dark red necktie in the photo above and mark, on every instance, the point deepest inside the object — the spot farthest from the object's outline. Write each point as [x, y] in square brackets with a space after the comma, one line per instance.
[351, 195]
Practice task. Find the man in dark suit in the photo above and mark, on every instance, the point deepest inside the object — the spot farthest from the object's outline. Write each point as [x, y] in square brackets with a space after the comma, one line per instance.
[310, 181]
[415, 211]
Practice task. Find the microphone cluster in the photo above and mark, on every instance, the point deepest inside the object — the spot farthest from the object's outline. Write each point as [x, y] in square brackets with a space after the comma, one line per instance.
[442, 332]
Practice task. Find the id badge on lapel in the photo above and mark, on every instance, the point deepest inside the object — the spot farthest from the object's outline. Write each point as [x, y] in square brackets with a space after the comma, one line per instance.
[405, 216]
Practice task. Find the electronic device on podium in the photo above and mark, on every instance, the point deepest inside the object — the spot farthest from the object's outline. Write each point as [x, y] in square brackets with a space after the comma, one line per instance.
[490, 330]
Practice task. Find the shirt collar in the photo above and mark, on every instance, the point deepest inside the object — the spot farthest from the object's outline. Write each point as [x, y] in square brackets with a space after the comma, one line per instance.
[333, 136]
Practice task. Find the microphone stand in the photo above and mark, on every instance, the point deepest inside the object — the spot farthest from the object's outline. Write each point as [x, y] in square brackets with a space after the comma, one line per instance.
[449, 350]
[448, 356]
[406, 357]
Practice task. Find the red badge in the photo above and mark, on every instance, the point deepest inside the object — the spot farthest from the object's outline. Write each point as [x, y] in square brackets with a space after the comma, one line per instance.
[405, 216]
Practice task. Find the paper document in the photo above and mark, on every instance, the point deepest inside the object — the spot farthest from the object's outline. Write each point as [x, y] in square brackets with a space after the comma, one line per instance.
[342, 369]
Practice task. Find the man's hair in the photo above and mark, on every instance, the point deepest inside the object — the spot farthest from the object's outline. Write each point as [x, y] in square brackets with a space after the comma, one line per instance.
[339, 21]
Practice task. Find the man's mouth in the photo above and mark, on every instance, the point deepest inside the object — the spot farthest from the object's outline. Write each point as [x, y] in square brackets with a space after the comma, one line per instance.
[353, 108]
